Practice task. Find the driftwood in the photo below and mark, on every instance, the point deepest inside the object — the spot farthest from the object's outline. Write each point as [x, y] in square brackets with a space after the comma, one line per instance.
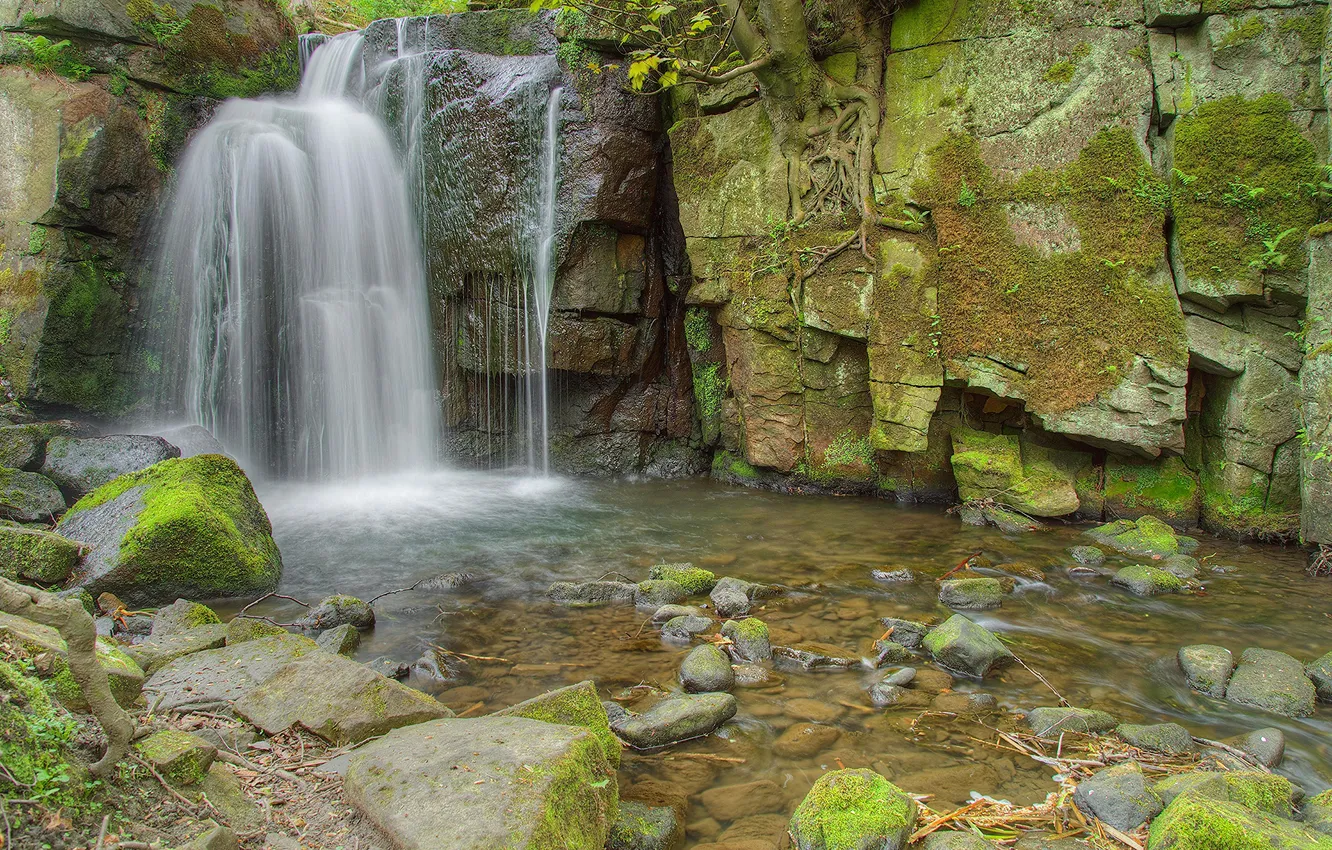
[75, 625]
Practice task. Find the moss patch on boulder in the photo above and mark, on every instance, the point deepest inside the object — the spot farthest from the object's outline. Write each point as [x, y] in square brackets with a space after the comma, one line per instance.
[181, 758]
[853, 809]
[993, 466]
[575, 705]
[1166, 488]
[1193, 822]
[695, 580]
[34, 555]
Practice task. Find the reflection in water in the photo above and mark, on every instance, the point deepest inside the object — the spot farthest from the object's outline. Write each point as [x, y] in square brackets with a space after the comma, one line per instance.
[512, 536]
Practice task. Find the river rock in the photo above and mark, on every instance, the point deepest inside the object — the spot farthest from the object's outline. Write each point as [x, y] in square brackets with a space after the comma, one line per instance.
[1273, 681]
[683, 629]
[390, 668]
[815, 656]
[241, 629]
[337, 699]
[339, 610]
[893, 576]
[1207, 668]
[706, 669]
[181, 616]
[223, 675]
[695, 580]
[887, 652]
[591, 594]
[971, 594]
[22, 446]
[1320, 672]
[30, 554]
[643, 827]
[1181, 566]
[340, 640]
[672, 720]
[29, 497]
[891, 688]
[906, 632]
[1142, 580]
[749, 639]
[965, 703]
[79, 465]
[124, 675]
[1118, 796]
[805, 740]
[731, 597]
[573, 705]
[733, 802]
[1169, 738]
[652, 594]
[1318, 813]
[964, 647]
[182, 758]
[1266, 746]
[160, 650]
[479, 784]
[1265, 792]
[184, 528]
[670, 612]
[1197, 823]
[849, 809]
[1088, 556]
[1145, 537]
[1050, 721]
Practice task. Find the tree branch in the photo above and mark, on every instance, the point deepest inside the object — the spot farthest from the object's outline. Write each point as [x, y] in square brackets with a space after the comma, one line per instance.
[747, 68]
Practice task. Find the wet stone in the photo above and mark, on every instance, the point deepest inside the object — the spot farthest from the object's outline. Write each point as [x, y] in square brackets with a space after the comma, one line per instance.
[1181, 566]
[642, 827]
[706, 668]
[654, 593]
[731, 597]
[390, 668]
[965, 703]
[885, 693]
[893, 576]
[591, 594]
[678, 718]
[804, 740]
[749, 639]
[972, 594]
[856, 808]
[733, 802]
[1273, 681]
[1207, 668]
[964, 647]
[887, 652]
[815, 656]
[1144, 580]
[683, 629]
[1320, 672]
[1266, 746]
[1050, 721]
[669, 612]
[1118, 796]
[906, 632]
[1169, 738]
[1088, 556]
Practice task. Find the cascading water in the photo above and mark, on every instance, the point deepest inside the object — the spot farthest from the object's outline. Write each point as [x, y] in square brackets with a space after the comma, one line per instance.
[288, 308]
[543, 281]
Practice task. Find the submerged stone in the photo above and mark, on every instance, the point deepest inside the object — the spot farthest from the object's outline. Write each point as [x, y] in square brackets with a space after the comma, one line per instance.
[906, 632]
[974, 594]
[964, 647]
[1142, 580]
[1273, 681]
[573, 705]
[956, 840]
[1050, 721]
[672, 720]
[893, 576]
[852, 810]
[1207, 668]
[591, 594]
[643, 827]
[804, 740]
[1147, 536]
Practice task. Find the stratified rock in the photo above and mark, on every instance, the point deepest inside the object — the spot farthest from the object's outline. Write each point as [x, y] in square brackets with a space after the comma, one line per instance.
[652, 594]
[853, 809]
[971, 594]
[160, 650]
[1118, 796]
[182, 758]
[683, 629]
[337, 699]
[1273, 681]
[484, 783]
[1267, 746]
[815, 656]
[643, 827]
[182, 615]
[185, 528]
[964, 647]
[672, 720]
[1170, 738]
[223, 675]
[591, 594]
[80, 465]
[749, 639]
[573, 705]
[906, 632]
[1320, 672]
[1207, 668]
[695, 580]
[1197, 823]
[1145, 537]
[340, 640]
[29, 554]
[1050, 721]
[29, 497]
[705, 669]
[1142, 580]
[993, 467]
[339, 610]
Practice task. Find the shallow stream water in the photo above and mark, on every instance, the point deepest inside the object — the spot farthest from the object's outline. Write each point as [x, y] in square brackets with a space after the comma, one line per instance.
[1097, 645]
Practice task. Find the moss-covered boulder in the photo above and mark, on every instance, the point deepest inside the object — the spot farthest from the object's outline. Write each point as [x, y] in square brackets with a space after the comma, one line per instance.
[644, 827]
[1207, 668]
[750, 639]
[964, 647]
[1169, 738]
[527, 785]
[993, 466]
[1166, 488]
[852, 810]
[186, 527]
[706, 669]
[695, 580]
[1318, 813]
[1320, 672]
[29, 554]
[1261, 792]
[1144, 580]
[574, 705]
[181, 758]
[242, 629]
[123, 674]
[29, 497]
[1198, 823]
[655, 592]
[1145, 537]
[972, 594]
[1272, 680]
[182, 615]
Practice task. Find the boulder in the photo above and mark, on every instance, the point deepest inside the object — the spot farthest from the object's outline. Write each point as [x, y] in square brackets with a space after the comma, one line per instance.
[483, 783]
[670, 612]
[705, 669]
[337, 699]
[683, 629]
[160, 650]
[643, 827]
[1197, 823]
[123, 675]
[1318, 813]
[749, 639]
[995, 467]
[1266, 746]
[1088, 556]
[241, 629]
[672, 720]
[1207, 668]
[971, 594]
[851, 810]
[1169, 738]
[1050, 721]
[1264, 792]
[805, 740]
[1273, 681]
[221, 676]
[337, 610]
[695, 580]
[340, 640]
[906, 632]
[29, 554]
[731, 597]
[1181, 566]
[182, 615]
[29, 497]
[79, 465]
[652, 594]
[192, 440]
[1145, 537]
[1320, 672]
[963, 647]
[1142, 580]
[887, 652]
[1118, 796]
[186, 527]
[591, 594]
[181, 758]
[573, 705]
[22, 446]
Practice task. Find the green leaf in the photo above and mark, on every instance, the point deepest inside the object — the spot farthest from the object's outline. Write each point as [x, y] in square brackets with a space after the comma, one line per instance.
[601, 784]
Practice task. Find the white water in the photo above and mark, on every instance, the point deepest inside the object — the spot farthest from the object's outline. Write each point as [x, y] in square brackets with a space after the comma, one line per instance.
[289, 299]
[543, 282]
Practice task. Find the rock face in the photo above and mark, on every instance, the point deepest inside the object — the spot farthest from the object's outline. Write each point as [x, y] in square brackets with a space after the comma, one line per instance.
[483, 783]
[189, 527]
[1272, 680]
[851, 809]
[964, 647]
[991, 466]
[80, 465]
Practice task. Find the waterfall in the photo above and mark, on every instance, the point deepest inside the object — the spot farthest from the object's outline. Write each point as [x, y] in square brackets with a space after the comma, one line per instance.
[543, 277]
[287, 309]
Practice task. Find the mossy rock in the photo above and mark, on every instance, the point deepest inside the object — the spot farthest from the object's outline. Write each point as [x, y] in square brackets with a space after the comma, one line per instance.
[696, 581]
[243, 629]
[186, 527]
[1261, 792]
[1170, 738]
[29, 554]
[851, 810]
[965, 647]
[574, 705]
[1143, 580]
[1146, 536]
[1052, 721]
[34, 736]
[181, 616]
[181, 758]
[124, 675]
[1318, 813]
[750, 638]
[1166, 488]
[972, 593]
[1273, 681]
[29, 497]
[993, 466]
[1194, 822]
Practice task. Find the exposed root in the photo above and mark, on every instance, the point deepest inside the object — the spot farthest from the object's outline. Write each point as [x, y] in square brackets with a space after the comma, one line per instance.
[1320, 565]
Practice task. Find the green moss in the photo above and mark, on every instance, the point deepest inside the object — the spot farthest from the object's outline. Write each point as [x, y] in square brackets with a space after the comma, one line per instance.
[1146, 536]
[725, 464]
[853, 809]
[1196, 823]
[695, 580]
[572, 794]
[575, 705]
[1249, 165]
[1076, 319]
[750, 629]
[35, 734]
[1241, 31]
[36, 239]
[1154, 579]
[1061, 72]
[1311, 27]
[35, 555]
[710, 387]
[698, 330]
[180, 757]
[1166, 488]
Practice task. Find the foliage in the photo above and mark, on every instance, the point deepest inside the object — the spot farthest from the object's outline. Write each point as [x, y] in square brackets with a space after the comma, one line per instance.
[1271, 257]
[41, 54]
[161, 23]
[362, 12]
[966, 196]
[698, 334]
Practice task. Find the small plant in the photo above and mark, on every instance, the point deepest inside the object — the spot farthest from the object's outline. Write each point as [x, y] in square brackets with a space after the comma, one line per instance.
[1272, 258]
[1184, 179]
[1111, 264]
[1242, 195]
[936, 333]
[966, 196]
[916, 218]
[41, 54]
